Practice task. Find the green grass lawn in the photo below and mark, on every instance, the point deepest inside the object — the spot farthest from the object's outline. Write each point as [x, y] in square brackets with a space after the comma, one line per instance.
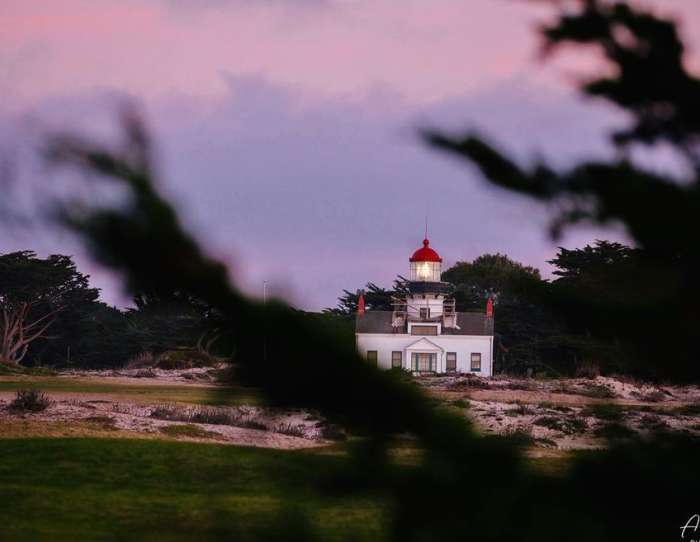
[102, 489]
[206, 395]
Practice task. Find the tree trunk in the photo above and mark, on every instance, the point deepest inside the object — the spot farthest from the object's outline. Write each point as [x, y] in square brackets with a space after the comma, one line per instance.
[18, 332]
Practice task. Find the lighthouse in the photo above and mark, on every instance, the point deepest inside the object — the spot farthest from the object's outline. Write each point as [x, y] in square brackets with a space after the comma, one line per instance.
[424, 334]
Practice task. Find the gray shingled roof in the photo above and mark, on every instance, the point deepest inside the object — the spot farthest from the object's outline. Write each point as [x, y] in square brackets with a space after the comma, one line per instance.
[470, 323]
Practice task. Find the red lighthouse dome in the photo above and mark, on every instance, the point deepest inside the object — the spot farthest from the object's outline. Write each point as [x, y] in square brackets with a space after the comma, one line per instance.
[425, 254]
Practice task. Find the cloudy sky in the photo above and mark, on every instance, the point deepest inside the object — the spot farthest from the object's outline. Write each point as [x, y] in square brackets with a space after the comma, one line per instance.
[287, 129]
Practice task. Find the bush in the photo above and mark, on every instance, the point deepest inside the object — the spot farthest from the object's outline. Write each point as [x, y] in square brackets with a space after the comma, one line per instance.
[211, 415]
[553, 406]
[519, 386]
[653, 424]
[252, 424]
[689, 410]
[331, 431]
[225, 375]
[291, 430]
[168, 413]
[520, 410]
[518, 436]
[604, 411]
[546, 442]
[185, 359]
[597, 391]
[470, 381]
[587, 370]
[614, 431]
[568, 426]
[461, 403]
[655, 396]
[141, 360]
[31, 400]
[214, 416]
[145, 373]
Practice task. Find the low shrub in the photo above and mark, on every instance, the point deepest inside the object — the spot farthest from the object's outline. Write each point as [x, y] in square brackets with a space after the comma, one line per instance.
[568, 426]
[251, 423]
[225, 375]
[655, 396]
[461, 403]
[214, 416]
[209, 415]
[31, 400]
[547, 405]
[169, 413]
[520, 410]
[546, 442]
[145, 373]
[614, 431]
[519, 386]
[471, 381]
[596, 391]
[653, 424]
[689, 410]
[587, 370]
[291, 430]
[518, 436]
[331, 431]
[141, 360]
[185, 359]
[604, 411]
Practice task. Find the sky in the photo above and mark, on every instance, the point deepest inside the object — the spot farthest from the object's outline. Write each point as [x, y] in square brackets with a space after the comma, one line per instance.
[287, 130]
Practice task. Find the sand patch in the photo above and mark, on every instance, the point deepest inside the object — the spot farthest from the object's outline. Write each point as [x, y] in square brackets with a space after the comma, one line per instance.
[115, 419]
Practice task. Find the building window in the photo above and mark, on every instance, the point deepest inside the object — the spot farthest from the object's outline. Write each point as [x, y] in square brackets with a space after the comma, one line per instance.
[423, 362]
[451, 362]
[396, 359]
[425, 313]
[372, 356]
[476, 361]
[423, 330]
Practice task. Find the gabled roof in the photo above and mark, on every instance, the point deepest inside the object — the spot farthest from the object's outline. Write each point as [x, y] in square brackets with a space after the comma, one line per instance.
[469, 323]
[428, 343]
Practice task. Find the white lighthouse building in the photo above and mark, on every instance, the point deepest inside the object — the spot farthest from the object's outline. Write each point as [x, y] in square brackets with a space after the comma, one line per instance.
[424, 333]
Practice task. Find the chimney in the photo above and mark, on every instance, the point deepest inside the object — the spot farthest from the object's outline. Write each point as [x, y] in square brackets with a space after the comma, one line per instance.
[489, 308]
[361, 305]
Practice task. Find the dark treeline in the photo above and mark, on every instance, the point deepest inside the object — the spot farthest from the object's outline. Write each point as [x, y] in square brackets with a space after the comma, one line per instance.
[535, 333]
[51, 316]
[60, 321]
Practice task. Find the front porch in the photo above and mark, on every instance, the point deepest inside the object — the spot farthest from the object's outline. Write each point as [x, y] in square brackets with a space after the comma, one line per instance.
[424, 356]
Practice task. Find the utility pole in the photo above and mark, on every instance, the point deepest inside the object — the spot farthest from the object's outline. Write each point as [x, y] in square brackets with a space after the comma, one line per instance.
[264, 321]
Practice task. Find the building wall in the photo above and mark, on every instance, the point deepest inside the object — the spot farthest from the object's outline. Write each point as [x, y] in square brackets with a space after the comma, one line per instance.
[463, 345]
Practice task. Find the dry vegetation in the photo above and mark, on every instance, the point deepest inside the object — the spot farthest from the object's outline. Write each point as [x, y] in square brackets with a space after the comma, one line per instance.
[570, 414]
[556, 414]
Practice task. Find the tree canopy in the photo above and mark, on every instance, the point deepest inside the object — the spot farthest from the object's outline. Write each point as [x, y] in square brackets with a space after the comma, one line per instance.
[646, 77]
[36, 296]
